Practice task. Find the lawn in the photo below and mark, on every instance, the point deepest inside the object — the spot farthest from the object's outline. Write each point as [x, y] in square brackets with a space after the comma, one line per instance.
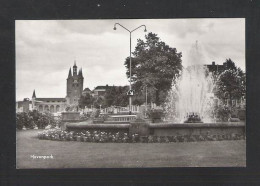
[72, 154]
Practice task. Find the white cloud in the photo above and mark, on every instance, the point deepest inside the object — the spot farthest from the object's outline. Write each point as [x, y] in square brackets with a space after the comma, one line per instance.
[46, 49]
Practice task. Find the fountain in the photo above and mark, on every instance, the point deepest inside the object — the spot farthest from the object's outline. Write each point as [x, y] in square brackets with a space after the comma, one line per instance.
[189, 109]
[190, 98]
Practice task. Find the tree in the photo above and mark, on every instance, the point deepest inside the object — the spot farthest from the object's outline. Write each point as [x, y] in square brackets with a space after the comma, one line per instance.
[230, 64]
[154, 64]
[116, 96]
[122, 98]
[231, 83]
[110, 96]
[86, 100]
[98, 101]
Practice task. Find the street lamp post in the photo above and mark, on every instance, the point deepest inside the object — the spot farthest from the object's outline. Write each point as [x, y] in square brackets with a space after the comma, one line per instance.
[145, 100]
[130, 70]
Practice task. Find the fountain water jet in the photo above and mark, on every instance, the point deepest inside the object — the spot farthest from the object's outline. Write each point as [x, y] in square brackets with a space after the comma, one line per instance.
[190, 98]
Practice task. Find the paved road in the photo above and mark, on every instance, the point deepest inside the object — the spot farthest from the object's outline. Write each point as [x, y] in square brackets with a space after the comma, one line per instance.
[70, 154]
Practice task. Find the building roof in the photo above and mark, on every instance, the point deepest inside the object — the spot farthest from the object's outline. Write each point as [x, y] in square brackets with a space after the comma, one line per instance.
[215, 67]
[51, 99]
[103, 87]
[86, 89]
[23, 102]
[108, 87]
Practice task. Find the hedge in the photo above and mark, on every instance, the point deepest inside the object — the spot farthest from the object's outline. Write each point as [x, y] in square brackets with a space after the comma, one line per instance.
[34, 119]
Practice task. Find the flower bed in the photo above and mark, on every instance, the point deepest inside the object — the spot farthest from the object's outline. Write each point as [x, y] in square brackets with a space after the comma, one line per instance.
[99, 136]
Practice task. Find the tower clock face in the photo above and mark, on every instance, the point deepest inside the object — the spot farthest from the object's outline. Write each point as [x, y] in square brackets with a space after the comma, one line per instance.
[75, 81]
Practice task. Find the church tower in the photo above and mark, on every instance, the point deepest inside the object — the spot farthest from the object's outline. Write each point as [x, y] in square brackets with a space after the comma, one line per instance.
[74, 85]
[74, 69]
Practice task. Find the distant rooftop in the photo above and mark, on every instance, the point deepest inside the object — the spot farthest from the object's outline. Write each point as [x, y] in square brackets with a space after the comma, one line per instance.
[216, 67]
[103, 87]
[107, 87]
[51, 99]
[86, 89]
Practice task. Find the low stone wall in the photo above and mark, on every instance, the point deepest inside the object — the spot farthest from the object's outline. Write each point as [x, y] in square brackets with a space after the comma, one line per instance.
[133, 125]
[70, 116]
[191, 129]
[164, 129]
[144, 132]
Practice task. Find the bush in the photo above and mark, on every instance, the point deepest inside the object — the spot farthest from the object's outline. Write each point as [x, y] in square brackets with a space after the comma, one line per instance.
[32, 119]
[44, 120]
[24, 119]
[156, 115]
[223, 113]
[84, 116]
[95, 114]
[19, 122]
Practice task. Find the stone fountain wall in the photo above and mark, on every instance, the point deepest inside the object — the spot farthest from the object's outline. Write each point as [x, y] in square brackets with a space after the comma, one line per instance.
[71, 122]
[197, 129]
[144, 128]
[68, 117]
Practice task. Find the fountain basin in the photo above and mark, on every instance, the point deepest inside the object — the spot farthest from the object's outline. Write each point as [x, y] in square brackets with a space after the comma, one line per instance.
[70, 116]
[191, 129]
[166, 129]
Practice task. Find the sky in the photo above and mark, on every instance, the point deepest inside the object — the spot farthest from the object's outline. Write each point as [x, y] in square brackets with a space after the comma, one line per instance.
[46, 49]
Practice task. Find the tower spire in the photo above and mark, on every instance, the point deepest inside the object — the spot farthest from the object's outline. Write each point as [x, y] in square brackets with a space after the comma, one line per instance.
[80, 72]
[74, 68]
[69, 73]
[34, 95]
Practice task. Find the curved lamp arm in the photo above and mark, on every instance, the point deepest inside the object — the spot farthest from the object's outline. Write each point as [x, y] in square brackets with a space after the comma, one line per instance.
[129, 30]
